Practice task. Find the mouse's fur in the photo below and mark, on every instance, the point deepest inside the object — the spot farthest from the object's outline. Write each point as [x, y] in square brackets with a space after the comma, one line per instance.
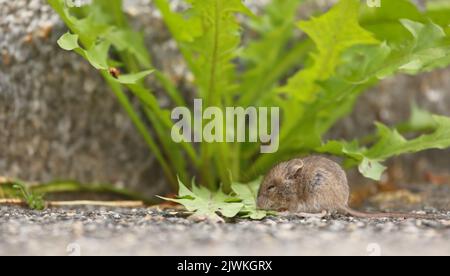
[312, 185]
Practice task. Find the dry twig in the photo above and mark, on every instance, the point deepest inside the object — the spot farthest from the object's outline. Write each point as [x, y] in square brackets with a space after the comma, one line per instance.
[119, 204]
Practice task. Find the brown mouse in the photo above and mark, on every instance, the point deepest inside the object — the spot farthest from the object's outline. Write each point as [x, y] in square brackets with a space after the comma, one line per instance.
[313, 185]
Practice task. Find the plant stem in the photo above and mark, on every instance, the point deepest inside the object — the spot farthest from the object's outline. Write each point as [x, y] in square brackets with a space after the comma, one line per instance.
[172, 152]
[117, 90]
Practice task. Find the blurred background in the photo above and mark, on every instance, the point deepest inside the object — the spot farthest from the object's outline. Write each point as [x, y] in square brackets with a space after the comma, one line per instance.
[58, 121]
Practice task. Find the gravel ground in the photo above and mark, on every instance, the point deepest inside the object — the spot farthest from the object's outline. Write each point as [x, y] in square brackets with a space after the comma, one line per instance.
[63, 122]
[150, 231]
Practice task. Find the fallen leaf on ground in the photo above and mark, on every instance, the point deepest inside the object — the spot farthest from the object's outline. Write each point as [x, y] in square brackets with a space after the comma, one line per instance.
[397, 196]
[5, 180]
[206, 205]
[248, 193]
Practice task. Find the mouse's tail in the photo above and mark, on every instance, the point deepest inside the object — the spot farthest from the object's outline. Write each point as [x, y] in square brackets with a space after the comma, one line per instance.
[359, 214]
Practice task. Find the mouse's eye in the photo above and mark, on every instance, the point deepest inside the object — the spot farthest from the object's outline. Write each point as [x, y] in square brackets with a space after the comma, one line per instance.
[271, 188]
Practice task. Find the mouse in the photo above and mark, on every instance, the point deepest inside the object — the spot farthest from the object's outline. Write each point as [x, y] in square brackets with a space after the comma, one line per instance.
[313, 185]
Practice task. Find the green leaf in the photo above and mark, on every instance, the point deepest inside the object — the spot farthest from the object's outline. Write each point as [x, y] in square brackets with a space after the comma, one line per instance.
[332, 33]
[428, 47]
[103, 21]
[34, 201]
[248, 193]
[306, 109]
[269, 57]
[68, 42]
[421, 50]
[206, 204]
[208, 35]
[133, 78]
[390, 143]
[98, 55]
[371, 169]
[351, 48]
[131, 42]
[384, 22]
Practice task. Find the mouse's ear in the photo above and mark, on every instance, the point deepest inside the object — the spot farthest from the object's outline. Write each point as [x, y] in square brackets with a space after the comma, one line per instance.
[295, 169]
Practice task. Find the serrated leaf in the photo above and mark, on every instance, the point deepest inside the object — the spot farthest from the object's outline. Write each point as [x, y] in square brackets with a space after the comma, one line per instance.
[332, 33]
[390, 143]
[422, 48]
[248, 193]
[206, 204]
[184, 191]
[311, 110]
[208, 35]
[427, 48]
[425, 35]
[393, 144]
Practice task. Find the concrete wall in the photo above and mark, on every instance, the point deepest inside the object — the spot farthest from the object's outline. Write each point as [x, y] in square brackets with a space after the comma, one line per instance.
[57, 118]
[59, 121]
